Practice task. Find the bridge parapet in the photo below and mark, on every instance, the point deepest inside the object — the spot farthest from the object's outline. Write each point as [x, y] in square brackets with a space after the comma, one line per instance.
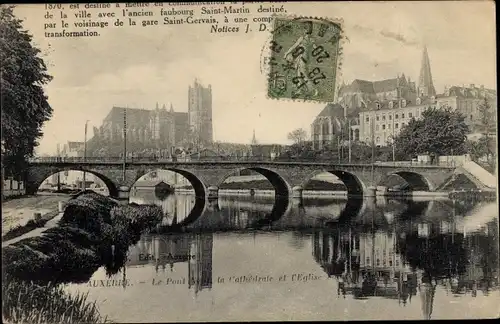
[221, 160]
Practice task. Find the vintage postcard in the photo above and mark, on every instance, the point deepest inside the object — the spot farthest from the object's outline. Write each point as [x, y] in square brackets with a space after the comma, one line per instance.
[249, 161]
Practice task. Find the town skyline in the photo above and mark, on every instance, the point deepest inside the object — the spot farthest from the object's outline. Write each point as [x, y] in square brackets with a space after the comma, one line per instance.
[383, 46]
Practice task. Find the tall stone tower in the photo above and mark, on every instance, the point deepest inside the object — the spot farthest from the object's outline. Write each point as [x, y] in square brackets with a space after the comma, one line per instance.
[200, 113]
[425, 84]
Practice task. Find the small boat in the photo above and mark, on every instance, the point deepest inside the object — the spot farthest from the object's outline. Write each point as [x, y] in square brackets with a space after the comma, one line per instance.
[163, 189]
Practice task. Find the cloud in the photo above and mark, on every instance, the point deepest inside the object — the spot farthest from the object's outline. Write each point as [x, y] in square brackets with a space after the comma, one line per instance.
[398, 37]
[362, 29]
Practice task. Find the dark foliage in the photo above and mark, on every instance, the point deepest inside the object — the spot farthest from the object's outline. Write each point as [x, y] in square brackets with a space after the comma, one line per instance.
[438, 132]
[82, 242]
[24, 104]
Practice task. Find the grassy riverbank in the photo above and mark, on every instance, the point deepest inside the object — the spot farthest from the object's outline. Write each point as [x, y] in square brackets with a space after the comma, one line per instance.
[94, 231]
[19, 211]
[29, 226]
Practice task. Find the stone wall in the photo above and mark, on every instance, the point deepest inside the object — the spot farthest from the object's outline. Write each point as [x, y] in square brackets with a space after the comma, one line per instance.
[283, 176]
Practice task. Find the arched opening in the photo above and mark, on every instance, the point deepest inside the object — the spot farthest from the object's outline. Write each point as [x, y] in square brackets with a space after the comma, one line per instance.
[325, 129]
[72, 181]
[406, 181]
[180, 194]
[250, 198]
[259, 179]
[334, 182]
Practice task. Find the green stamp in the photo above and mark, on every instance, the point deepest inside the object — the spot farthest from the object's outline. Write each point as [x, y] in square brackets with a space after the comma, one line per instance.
[304, 59]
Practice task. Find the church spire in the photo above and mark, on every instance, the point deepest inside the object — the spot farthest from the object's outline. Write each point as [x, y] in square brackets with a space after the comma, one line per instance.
[425, 84]
[254, 139]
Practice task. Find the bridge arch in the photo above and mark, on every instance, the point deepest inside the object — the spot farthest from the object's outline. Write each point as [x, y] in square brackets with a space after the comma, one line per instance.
[192, 207]
[280, 185]
[415, 180]
[34, 182]
[199, 187]
[355, 186]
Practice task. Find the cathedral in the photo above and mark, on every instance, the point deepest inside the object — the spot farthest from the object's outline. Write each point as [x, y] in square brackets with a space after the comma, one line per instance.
[161, 128]
[158, 128]
[362, 98]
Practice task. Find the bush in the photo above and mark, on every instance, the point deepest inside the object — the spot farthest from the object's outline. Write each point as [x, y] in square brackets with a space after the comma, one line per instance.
[82, 242]
[45, 259]
[88, 211]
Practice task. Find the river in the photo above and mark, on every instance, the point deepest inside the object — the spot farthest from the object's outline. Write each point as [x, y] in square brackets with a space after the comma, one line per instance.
[248, 258]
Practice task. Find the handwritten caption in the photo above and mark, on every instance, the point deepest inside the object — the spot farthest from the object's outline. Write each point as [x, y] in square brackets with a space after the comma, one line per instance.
[91, 19]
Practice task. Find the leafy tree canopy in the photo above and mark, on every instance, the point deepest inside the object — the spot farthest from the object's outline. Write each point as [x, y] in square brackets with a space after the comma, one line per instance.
[438, 132]
[24, 104]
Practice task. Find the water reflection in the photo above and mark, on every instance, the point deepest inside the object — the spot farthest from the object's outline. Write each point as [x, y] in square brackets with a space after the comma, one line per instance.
[179, 209]
[229, 213]
[411, 258]
[163, 252]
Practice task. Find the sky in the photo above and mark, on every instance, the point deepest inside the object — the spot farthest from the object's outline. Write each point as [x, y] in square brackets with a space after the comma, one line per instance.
[140, 66]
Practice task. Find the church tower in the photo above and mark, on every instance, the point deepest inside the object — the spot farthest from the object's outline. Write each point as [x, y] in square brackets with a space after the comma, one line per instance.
[425, 84]
[254, 139]
[200, 112]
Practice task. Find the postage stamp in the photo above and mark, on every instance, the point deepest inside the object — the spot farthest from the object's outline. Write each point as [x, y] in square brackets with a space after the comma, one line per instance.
[304, 59]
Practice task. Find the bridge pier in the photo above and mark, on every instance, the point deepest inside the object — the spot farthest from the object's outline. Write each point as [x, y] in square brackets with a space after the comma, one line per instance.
[123, 192]
[213, 192]
[213, 205]
[297, 192]
[370, 192]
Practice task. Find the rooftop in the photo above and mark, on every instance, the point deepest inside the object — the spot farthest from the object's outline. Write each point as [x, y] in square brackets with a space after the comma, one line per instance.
[140, 115]
[470, 92]
[375, 86]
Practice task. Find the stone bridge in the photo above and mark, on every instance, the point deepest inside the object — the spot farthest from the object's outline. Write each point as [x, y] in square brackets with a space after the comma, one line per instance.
[206, 177]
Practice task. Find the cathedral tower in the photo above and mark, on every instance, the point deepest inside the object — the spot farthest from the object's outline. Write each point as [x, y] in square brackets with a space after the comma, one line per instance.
[200, 113]
[425, 84]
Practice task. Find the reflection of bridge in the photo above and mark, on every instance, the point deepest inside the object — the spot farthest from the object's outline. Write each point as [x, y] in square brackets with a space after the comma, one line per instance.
[206, 176]
[250, 213]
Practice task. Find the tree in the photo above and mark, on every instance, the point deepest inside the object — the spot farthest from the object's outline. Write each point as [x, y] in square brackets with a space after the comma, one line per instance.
[487, 123]
[480, 149]
[24, 103]
[477, 149]
[486, 117]
[298, 136]
[438, 132]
